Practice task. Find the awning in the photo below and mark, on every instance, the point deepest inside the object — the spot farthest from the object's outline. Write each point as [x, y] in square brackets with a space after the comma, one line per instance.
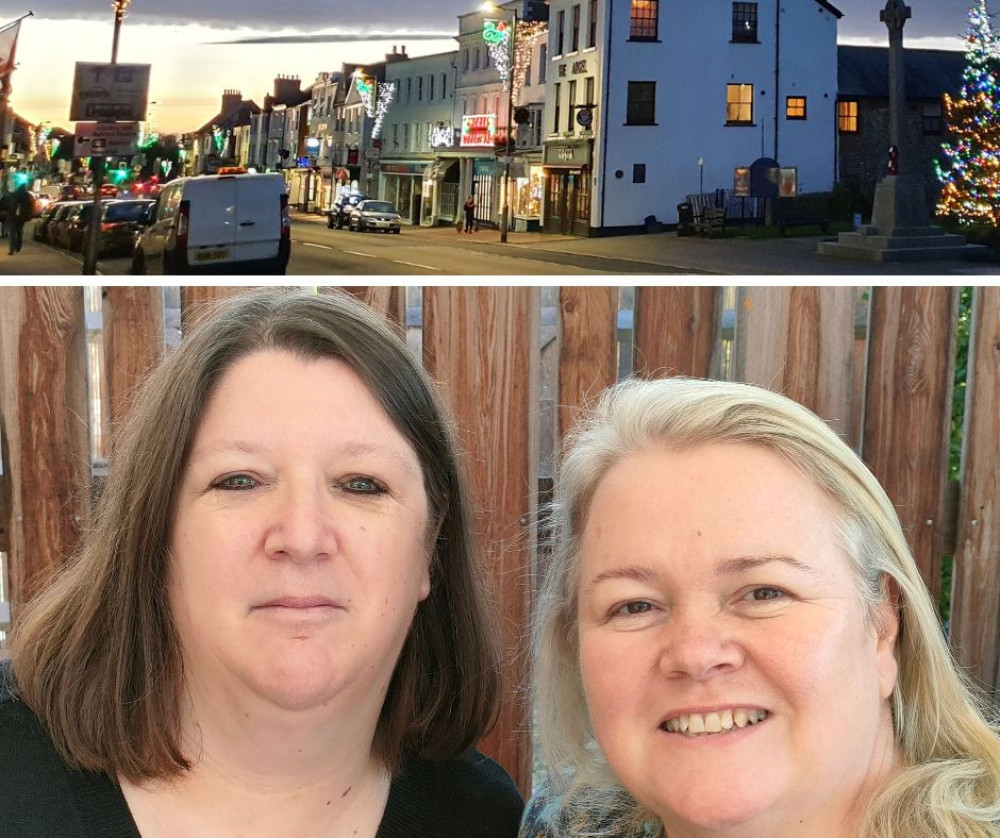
[438, 169]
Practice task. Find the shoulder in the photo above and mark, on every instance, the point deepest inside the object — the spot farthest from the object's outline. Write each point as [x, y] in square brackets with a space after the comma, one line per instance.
[470, 795]
[608, 812]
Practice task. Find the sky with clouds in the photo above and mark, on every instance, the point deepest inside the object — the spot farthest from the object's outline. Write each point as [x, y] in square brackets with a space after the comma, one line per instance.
[194, 45]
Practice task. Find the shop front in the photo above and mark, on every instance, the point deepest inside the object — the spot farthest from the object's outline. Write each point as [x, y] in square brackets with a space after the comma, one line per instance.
[485, 186]
[440, 192]
[400, 184]
[527, 195]
[567, 165]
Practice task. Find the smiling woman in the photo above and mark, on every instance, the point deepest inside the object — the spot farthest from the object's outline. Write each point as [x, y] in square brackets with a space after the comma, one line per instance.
[733, 638]
[276, 625]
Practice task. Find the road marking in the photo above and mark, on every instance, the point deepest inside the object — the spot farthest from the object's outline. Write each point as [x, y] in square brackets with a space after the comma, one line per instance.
[416, 265]
[359, 253]
[320, 246]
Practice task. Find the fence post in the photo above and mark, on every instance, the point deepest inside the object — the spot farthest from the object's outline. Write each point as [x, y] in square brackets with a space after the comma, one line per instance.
[975, 631]
[676, 330]
[387, 300]
[195, 299]
[911, 367]
[800, 342]
[588, 349]
[43, 407]
[481, 344]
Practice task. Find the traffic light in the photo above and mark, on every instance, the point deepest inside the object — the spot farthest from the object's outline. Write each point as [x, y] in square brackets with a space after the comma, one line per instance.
[21, 178]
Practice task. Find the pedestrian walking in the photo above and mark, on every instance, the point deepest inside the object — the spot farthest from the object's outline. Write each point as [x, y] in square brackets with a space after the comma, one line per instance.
[19, 210]
[470, 214]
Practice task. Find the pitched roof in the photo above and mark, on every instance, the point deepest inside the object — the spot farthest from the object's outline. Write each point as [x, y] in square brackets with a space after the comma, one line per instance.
[831, 8]
[238, 115]
[863, 72]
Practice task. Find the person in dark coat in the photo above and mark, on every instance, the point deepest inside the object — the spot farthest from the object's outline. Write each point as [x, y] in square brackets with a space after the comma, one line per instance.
[470, 214]
[19, 207]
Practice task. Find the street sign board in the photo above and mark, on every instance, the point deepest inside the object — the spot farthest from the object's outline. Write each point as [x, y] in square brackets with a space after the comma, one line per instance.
[372, 153]
[110, 92]
[106, 139]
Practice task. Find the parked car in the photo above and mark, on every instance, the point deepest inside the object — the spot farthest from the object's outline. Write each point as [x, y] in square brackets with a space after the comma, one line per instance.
[339, 213]
[375, 215]
[59, 225]
[41, 230]
[217, 224]
[77, 227]
[120, 222]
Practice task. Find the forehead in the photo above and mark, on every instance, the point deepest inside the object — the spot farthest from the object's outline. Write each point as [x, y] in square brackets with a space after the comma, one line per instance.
[718, 498]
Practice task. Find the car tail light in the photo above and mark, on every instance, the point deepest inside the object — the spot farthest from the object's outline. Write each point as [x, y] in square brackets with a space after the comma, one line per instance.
[286, 222]
[107, 225]
[181, 242]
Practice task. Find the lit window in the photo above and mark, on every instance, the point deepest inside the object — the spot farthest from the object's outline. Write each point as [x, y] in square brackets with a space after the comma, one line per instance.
[847, 117]
[739, 104]
[795, 107]
[645, 19]
[641, 106]
[745, 23]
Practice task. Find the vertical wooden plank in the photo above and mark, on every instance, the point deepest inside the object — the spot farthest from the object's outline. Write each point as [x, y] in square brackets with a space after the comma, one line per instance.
[588, 348]
[481, 344]
[196, 299]
[133, 342]
[387, 300]
[975, 632]
[676, 330]
[800, 342]
[908, 411]
[44, 410]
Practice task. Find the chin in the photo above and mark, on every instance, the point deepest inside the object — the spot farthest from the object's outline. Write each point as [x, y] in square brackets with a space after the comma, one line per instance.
[712, 808]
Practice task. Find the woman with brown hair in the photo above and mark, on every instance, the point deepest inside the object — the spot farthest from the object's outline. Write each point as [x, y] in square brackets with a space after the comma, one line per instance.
[275, 626]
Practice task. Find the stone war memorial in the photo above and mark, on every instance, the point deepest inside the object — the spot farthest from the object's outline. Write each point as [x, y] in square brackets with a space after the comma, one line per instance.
[901, 229]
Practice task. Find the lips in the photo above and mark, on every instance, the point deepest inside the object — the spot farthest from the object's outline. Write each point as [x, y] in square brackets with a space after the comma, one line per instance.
[714, 722]
[299, 603]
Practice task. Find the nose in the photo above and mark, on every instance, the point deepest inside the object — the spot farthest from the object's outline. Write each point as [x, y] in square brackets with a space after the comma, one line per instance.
[300, 522]
[699, 646]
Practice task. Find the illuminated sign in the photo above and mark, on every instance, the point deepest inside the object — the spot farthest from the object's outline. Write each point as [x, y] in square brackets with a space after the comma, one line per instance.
[479, 129]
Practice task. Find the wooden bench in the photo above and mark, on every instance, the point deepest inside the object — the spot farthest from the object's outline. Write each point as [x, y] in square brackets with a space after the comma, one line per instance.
[796, 212]
[711, 221]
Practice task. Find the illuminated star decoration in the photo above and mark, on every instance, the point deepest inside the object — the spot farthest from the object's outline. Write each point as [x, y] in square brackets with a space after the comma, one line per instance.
[366, 89]
[497, 35]
[386, 92]
[970, 171]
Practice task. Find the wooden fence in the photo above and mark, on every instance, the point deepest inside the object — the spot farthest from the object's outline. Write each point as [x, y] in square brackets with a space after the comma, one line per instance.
[878, 364]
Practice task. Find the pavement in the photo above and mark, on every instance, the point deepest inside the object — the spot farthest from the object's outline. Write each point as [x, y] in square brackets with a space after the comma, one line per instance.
[654, 254]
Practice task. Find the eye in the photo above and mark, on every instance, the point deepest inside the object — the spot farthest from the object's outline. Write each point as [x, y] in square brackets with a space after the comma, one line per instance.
[235, 483]
[632, 608]
[764, 594]
[362, 485]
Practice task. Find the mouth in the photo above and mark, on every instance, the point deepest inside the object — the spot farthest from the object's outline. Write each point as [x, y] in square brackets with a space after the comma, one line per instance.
[298, 603]
[715, 723]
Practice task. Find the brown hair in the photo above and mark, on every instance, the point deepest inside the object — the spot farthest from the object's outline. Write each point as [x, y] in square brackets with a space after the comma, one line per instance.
[96, 656]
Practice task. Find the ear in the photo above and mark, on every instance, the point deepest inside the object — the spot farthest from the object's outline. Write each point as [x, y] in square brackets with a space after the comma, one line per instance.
[887, 627]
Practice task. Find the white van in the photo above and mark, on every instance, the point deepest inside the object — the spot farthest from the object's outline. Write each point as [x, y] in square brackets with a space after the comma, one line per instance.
[213, 224]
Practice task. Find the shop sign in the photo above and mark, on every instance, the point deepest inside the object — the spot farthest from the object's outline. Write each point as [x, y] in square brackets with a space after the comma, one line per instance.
[567, 155]
[402, 168]
[484, 167]
[479, 130]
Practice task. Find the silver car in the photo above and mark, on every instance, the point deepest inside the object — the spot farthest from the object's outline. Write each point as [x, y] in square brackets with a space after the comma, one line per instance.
[374, 215]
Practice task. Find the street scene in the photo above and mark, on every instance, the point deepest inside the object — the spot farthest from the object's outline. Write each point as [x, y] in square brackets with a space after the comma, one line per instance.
[533, 137]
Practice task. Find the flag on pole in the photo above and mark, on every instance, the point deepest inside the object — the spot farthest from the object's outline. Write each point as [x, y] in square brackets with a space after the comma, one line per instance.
[8, 46]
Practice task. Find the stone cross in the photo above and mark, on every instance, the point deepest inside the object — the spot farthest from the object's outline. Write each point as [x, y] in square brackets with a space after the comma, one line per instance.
[894, 16]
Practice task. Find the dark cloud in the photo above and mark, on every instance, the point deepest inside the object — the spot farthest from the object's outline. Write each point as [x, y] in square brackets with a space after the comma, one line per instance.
[340, 37]
[861, 17]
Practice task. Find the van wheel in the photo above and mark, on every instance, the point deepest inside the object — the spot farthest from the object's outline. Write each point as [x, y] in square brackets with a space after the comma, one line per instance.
[138, 263]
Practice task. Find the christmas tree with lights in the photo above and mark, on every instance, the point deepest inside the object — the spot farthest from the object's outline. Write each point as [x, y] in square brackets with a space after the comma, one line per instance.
[970, 170]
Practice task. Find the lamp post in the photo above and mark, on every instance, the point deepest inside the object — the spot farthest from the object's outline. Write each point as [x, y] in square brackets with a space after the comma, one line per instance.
[701, 175]
[94, 234]
[511, 46]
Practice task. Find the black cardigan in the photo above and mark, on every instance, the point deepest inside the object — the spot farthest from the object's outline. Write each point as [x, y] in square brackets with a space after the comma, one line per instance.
[40, 797]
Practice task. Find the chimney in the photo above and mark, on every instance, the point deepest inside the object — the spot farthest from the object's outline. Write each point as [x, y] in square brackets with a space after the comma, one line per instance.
[231, 100]
[287, 89]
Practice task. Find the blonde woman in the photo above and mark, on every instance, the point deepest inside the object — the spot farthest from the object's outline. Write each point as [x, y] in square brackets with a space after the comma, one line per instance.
[733, 638]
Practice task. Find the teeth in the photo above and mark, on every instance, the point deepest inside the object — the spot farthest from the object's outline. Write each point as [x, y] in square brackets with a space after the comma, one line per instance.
[697, 724]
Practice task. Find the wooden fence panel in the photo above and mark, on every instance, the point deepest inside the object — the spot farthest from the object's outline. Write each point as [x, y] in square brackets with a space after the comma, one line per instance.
[197, 298]
[387, 300]
[800, 342]
[676, 330]
[975, 632]
[43, 407]
[588, 348]
[481, 344]
[133, 343]
[908, 411]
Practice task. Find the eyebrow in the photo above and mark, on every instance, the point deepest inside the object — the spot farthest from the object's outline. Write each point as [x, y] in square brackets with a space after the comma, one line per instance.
[742, 564]
[352, 449]
[639, 573]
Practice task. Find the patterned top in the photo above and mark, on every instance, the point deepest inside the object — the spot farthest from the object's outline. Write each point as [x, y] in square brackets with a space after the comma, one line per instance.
[549, 815]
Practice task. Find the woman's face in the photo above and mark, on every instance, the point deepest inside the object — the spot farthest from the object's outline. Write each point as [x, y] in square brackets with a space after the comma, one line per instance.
[298, 545]
[732, 679]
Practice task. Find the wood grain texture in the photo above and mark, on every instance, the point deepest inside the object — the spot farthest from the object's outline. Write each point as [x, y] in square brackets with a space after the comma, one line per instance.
[44, 411]
[676, 330]
[133, 343]
[799, 342]
[387, 300]
[975, 632]
[481, 344]
[198, 299]
[588, 348]
[911, 349]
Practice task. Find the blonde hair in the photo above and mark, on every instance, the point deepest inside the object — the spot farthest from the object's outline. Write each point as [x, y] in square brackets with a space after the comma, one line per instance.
[949, 782]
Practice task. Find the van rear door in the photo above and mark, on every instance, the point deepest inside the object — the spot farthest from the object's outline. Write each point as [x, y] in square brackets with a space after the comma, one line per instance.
[213, 220]
[258, 225]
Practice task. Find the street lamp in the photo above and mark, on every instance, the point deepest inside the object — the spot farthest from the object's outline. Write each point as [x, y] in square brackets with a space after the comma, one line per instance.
[120, 7]
[489, 6]
[701, 175]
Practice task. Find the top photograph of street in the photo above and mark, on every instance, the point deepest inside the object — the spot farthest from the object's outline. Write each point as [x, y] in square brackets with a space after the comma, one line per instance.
[520, 138]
